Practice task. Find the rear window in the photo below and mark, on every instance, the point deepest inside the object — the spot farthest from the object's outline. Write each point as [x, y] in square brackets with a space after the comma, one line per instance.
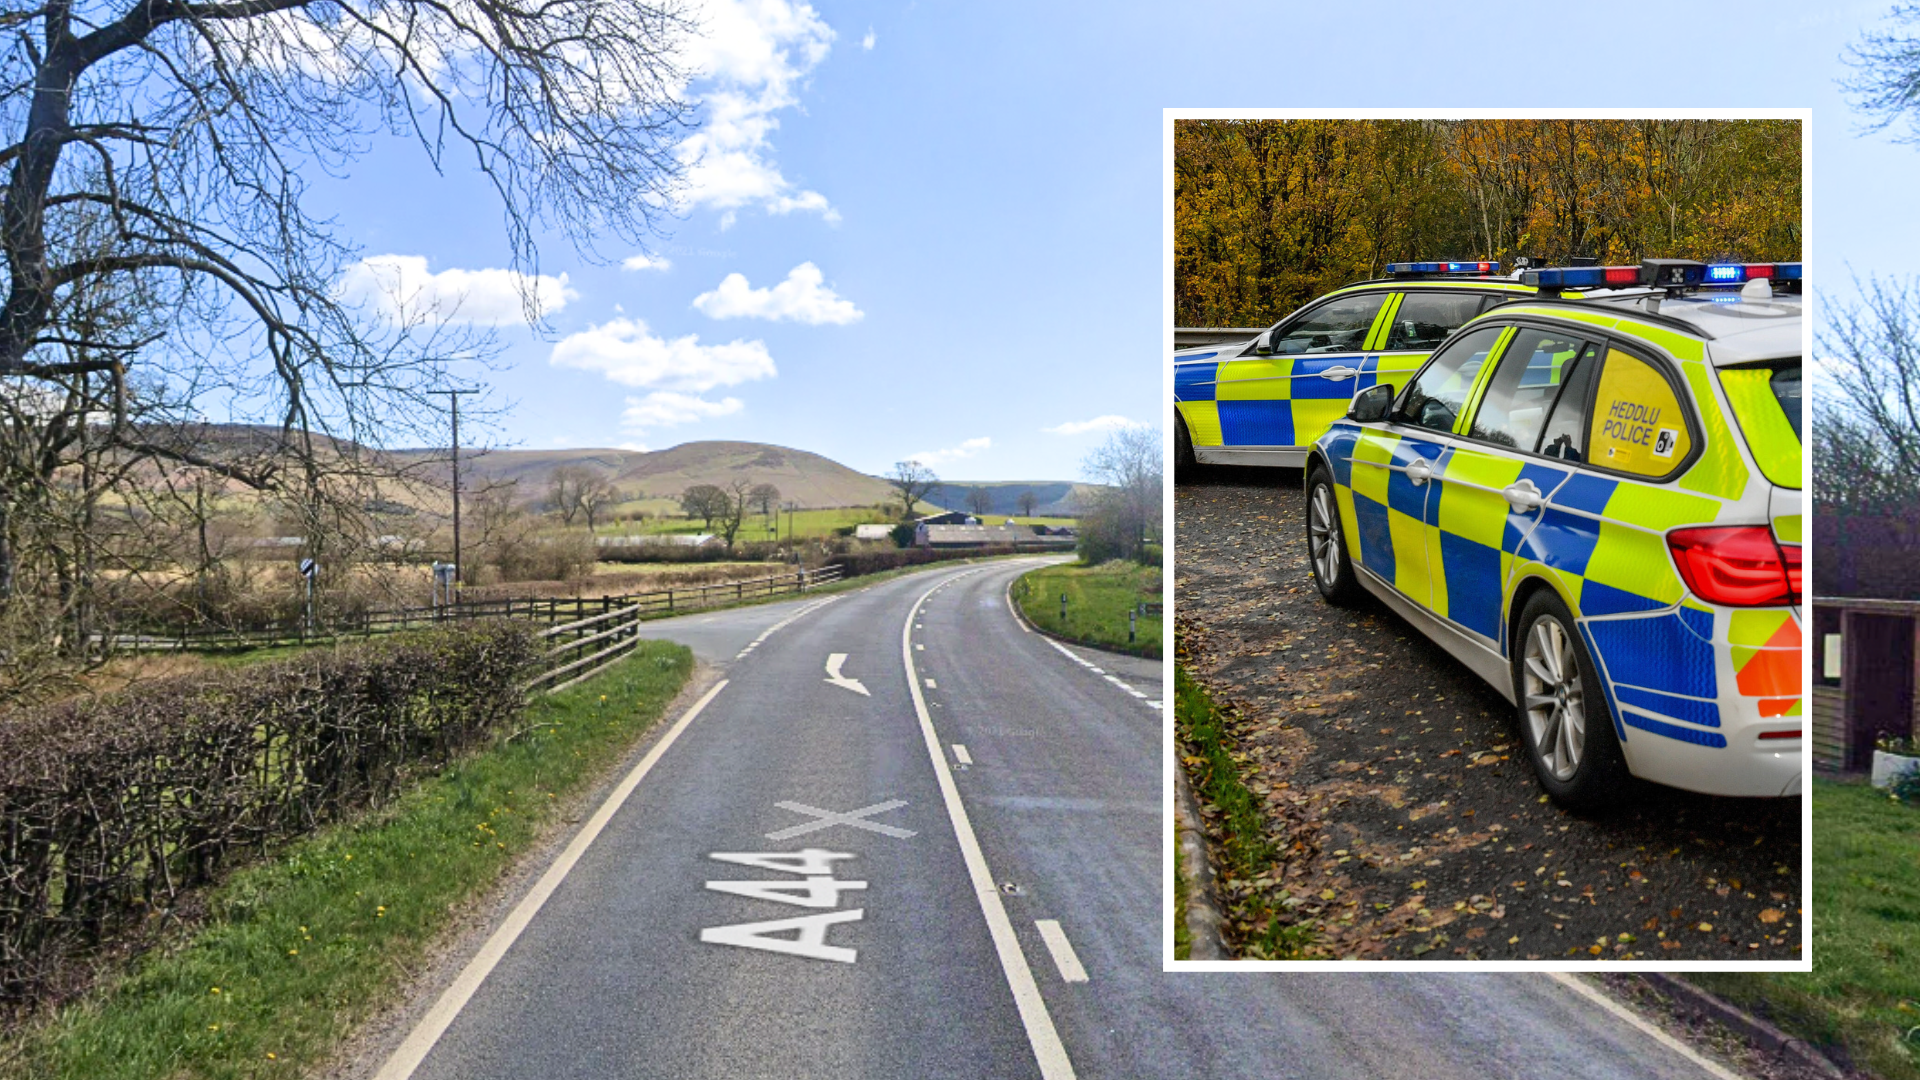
[1766, 407]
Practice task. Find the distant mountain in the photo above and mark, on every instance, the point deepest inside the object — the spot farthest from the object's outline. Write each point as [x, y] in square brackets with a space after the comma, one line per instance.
[1051, 498]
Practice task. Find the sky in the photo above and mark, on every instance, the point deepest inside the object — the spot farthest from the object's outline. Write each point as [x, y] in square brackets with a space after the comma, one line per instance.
[934, 231]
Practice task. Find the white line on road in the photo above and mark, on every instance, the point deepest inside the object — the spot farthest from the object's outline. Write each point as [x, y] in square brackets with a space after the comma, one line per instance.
[1062, 950]
[1579, 986]
[1048, 1050]
[834, 663]
[768, 632]
[960, 754]
[414, 1050]
[1089, 665]
[930, 685]
[1013, 611]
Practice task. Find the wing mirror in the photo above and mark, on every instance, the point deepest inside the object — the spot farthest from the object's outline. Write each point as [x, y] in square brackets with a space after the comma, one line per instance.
[1372, 404]
[1263, 344]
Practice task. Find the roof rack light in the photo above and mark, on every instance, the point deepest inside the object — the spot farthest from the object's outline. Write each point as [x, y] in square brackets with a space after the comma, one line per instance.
[1663, 273]
[1397, 269]
[1740, 273]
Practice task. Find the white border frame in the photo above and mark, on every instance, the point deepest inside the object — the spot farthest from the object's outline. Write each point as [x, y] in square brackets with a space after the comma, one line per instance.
[1170, 532]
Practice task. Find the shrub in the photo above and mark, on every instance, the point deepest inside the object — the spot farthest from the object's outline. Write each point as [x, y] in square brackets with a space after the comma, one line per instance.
[111, 807]
[557, 556]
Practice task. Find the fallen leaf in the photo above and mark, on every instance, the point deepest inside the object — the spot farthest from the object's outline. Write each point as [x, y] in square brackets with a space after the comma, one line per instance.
[1772, 915]
[1706, 928]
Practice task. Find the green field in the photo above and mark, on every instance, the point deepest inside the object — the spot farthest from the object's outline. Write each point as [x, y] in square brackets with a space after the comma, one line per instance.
[298, 950]
[666, 518]
[1864, 992]
[1098, 600]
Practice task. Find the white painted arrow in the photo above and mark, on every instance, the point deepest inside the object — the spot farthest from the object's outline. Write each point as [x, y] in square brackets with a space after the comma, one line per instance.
[834, 660]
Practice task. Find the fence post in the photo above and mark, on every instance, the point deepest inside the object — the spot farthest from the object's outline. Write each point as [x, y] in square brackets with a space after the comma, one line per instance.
[1130, 626]
[1063, 607]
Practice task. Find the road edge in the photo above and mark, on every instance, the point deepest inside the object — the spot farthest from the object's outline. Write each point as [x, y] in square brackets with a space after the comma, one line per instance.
[1684, 998]
[1204, 918]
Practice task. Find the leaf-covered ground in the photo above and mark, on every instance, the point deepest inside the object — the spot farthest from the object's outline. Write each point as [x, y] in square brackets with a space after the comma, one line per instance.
[1396, 793]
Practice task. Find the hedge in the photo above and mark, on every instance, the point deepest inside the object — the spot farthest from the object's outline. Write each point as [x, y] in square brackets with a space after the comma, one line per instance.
[856, 563]
[112, 808]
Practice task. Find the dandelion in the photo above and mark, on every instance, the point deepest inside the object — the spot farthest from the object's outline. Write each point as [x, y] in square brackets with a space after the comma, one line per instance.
[215, 990]
[293, 952]
[271, 1057]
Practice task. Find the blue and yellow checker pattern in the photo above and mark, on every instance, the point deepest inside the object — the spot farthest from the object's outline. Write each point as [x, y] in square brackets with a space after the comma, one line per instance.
[1687, 684]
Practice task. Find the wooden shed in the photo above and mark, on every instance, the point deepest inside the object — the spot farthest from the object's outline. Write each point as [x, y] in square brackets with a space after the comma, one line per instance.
[1863, 677]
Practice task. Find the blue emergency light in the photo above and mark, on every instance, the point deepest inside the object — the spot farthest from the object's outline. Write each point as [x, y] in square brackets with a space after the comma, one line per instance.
[1668, 273]
[1443, 268]
[1739, 273]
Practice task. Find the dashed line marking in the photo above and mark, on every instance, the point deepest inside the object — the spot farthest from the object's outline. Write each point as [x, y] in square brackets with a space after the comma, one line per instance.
[960, 754]
[930, 685]
[1062, 950]
[768, 632]
[917, 647]
[1149, 702]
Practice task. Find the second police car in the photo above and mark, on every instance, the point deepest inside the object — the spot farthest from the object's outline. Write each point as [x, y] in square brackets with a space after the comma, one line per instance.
[1595, 505]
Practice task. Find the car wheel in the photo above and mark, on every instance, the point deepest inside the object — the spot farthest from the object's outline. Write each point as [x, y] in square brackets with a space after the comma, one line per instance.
[1326, 544]
[1185, 465]
[1563, 712]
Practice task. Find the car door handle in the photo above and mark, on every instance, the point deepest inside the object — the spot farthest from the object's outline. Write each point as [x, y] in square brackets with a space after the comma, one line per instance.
[1342, 372]
[1523, 496]
[1419, 471]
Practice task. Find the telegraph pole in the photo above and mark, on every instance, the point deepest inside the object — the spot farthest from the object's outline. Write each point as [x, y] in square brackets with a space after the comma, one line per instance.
[453, 397]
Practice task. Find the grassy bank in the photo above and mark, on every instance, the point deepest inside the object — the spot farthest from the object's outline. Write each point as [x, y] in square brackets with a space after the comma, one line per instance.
[1233, 820]
[1182, 937]
[1098, 599]
[1863, 995]
[294, 952]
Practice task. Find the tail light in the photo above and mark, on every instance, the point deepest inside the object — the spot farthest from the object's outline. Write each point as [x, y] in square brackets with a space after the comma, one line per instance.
[1741, 566]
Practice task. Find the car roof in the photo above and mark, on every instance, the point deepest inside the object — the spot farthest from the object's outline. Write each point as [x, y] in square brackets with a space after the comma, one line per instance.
[1739, 329]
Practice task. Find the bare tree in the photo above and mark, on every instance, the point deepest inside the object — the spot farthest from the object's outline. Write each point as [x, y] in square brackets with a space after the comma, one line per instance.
[1125, 515]
[1027, 500]
[162, 254]
[737, 499]
[912, 480]
[597, 496]
[563, 490]
[980, 501]
[1886, 83]
[704, 501]
[766, 499]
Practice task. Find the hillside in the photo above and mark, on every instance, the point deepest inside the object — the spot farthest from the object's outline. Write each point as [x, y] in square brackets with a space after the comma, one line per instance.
[1051, 498]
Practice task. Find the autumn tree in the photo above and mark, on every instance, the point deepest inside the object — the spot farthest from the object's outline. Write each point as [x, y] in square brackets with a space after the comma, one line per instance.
[912, 481]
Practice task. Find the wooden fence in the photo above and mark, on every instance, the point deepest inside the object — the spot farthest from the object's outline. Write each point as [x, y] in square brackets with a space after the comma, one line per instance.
[556, 611]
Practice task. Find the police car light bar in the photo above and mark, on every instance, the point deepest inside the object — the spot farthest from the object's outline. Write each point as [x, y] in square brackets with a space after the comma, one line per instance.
[1738, 273]
[1443, 268]
[1669, 273]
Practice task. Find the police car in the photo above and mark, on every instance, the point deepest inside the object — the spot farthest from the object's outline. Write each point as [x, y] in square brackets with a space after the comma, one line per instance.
[1595, 505]
[1265, 401]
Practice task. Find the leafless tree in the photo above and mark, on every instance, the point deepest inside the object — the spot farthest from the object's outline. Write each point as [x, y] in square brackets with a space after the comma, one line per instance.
[738, 498]
[766, 499]
[1125, 515]
[704, 501]
[980, 501]
[912, 480]
[1027, 500]
[163, 255]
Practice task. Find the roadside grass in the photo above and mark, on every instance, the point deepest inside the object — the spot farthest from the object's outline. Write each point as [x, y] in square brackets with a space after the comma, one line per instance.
[294, 952]
[1182, 937]
[1098, 599]
[1863, 994]
[1265, 929]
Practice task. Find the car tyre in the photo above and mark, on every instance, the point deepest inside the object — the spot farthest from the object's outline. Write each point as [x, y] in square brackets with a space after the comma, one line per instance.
[1564, 720]
[1185, 465]
[1327, 558]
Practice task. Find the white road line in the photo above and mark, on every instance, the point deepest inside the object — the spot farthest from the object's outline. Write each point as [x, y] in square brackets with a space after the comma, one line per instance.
[930, 685]
[1062, 950]
[768, 632]
[919, 648]
[1013, 611]
[1048, 1050]
[1579, 986]
[420, 1041]
[1090, 666]
[960, 754]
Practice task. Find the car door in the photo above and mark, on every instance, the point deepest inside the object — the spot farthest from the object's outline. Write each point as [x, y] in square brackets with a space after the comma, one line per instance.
[1394, 462]
[1414, 324]
[1488, 499]
[1287, 396]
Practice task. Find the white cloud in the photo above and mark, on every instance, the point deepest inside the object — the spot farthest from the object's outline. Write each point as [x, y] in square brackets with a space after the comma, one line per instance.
[646, 262]
[749, 60]
[802, 297]
[627, 353]
[1098, 423]
[665, 408]
[867, 42]
[638, 448]
[953, 453]
[402, 288]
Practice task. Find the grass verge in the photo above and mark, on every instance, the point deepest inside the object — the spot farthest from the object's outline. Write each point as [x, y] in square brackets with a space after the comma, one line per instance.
[1262, 927]
[1862, 996]
[1182, 937]
[1098, 599]
[297, 950]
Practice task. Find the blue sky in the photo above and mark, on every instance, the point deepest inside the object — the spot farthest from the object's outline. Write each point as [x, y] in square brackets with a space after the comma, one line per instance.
[946, 220]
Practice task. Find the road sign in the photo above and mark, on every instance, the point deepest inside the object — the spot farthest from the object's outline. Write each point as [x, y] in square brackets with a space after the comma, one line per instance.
[309, 569]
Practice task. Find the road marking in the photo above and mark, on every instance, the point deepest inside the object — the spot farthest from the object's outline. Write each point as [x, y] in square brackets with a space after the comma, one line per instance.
[768, 632]
[834, 660]
[1048, 1051]
[1013, 611]
[930, 685]
[960, 754]
[1089, 665]
[919, 648]
[1062, 950]
[1639, 1022]
[826, 819]
[811, 942]
[408, 1056]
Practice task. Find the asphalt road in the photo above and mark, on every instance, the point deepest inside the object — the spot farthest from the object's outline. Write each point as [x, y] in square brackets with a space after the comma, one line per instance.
[916, 953]
[1396, 778]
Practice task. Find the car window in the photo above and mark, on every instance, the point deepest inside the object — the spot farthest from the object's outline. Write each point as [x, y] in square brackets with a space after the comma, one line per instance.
[1786, 388]
[1434, 398]
[1514, 408]
[1338, 326]
[1425, 319]
[1637, 424]
[1565, 434]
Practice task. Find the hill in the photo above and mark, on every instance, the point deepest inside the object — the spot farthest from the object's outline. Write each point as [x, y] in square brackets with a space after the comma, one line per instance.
[1051, 498]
